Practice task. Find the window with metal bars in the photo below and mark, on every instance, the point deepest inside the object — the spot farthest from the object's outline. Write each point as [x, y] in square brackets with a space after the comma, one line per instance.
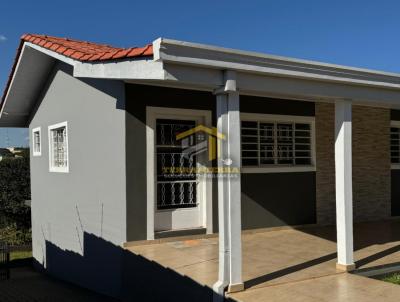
[37, 148]
[276, 143]
[58, 148]
[395, 144]
[176, 177]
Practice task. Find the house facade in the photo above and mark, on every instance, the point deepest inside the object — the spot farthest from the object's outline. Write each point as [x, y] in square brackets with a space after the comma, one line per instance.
[302, 143]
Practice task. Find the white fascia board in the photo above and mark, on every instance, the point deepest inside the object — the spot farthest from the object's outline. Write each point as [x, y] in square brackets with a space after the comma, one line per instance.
[12, 82]
[180, 52]
[140, 69]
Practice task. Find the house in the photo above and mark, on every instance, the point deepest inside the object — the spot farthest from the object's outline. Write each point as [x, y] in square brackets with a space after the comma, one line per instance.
[4, 152]
[305, 143]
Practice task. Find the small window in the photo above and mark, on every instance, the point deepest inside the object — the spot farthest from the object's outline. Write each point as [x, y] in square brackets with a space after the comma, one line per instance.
[58, 148]
[395, 144]
[36, 142]
[276, 143]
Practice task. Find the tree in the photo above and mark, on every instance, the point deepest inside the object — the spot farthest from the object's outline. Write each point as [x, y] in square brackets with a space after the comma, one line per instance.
[14, 191]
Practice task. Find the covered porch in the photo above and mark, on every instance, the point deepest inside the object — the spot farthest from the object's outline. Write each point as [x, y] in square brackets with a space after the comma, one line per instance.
[290, 264]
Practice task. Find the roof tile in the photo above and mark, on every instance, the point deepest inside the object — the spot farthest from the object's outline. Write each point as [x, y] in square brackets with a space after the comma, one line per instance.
[78, 50]
[86, 51]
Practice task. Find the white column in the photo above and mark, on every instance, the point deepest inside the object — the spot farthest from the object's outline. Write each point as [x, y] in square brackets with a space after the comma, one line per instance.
[229, 189]
[344, 185]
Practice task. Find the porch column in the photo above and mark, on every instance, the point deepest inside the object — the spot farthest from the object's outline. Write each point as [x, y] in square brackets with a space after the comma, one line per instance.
[229, 190]
[344, 185]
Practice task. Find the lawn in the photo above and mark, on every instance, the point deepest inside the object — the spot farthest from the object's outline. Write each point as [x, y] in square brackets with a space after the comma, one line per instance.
[392, 278]
[20, 255]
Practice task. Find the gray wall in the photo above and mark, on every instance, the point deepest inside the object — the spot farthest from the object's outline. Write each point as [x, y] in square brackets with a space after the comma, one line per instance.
[266, 201]
[89, 201]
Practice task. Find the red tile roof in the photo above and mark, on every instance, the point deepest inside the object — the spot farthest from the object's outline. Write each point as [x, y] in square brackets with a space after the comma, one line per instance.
[78, 50]
[87, 51]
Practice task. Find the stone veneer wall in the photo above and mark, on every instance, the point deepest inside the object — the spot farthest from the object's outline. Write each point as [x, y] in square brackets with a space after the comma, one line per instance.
[371, 163]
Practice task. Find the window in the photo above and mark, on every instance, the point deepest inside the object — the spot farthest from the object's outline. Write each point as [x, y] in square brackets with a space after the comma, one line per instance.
[395, 143]
[36, 142]
[58, 147]
[276, 141]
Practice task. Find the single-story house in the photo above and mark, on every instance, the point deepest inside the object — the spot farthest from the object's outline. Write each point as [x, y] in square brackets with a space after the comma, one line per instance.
[277, 142]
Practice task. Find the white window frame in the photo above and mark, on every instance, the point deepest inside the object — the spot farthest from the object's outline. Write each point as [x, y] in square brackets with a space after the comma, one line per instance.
[267, 118]
[393, 124]
[51, 167]
[34, 152]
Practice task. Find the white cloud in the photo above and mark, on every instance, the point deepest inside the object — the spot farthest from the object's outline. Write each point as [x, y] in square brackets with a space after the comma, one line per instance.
[3, 38]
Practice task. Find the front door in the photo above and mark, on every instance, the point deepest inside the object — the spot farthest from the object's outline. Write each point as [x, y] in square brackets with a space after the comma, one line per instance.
[179, 200]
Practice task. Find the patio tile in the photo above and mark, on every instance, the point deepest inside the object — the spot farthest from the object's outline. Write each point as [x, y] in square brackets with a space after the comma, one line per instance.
[290, 265]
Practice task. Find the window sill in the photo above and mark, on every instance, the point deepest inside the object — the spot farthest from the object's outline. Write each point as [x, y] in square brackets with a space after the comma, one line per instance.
[59, 170]
[277, 169]
[395, 166]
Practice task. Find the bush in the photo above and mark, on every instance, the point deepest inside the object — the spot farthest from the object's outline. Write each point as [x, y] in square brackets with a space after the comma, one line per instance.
[15, 217]
[14, 236]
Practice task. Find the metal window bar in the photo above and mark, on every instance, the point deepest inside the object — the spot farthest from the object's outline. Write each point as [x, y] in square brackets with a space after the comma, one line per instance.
[59, 147]
[395, 145]
[290, 144]
[176, 178]
[4, 261]
[36, 141]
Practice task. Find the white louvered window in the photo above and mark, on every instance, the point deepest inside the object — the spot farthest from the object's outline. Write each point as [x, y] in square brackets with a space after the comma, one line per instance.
[58, 149]
[276, 143]
[36, 142]
[395, 144]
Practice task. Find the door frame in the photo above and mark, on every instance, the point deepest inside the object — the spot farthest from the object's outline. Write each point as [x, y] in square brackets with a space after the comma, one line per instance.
[152, 113]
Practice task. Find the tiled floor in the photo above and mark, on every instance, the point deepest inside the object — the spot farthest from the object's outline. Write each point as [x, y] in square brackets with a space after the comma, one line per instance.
[294, 265]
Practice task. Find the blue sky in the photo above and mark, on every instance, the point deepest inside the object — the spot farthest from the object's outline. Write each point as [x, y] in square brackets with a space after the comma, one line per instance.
[356, 33]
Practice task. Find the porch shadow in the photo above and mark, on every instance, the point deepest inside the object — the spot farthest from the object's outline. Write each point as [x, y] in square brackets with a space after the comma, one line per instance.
[288, 270]
[373, 235]
[116, 272]
[378, 256]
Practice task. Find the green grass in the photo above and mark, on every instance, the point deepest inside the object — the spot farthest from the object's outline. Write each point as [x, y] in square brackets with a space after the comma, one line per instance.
[392, 278]
[20, 255]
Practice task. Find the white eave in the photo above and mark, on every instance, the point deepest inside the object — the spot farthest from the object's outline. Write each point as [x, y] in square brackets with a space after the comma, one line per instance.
[198, 66]
[180, 52]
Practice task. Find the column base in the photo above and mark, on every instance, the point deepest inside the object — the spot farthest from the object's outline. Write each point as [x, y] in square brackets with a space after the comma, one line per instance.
[234, 288]
[345, 267]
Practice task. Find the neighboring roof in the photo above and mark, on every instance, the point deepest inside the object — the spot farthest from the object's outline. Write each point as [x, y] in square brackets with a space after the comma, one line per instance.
[86, 51]
[78, 50]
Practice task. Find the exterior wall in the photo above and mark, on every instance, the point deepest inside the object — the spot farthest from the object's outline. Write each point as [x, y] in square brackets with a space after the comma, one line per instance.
[74, 214]
[371, 163]
[277, 199]
[137, 98]
[325, 153]
[265, 201]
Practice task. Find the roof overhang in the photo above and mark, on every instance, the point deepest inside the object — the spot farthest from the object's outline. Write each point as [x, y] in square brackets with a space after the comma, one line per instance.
[197, 66]
[268, 75]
